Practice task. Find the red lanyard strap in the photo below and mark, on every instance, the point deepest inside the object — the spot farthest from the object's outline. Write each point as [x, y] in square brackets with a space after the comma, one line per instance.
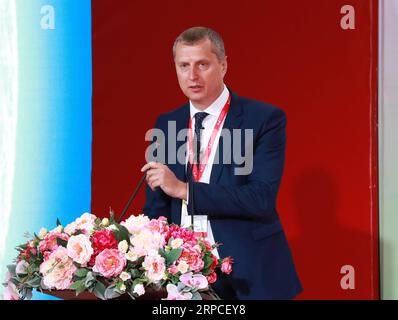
[197, 174]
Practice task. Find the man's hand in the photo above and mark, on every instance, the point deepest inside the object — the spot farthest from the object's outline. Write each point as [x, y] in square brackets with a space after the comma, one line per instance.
[159, 175]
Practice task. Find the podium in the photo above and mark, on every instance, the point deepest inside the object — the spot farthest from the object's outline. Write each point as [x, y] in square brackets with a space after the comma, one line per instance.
[150, 294]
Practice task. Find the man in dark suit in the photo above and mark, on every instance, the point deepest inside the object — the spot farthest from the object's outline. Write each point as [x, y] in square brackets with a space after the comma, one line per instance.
[237, 203]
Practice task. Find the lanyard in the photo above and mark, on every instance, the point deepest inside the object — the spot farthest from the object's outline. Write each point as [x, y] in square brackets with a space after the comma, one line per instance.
[197, 173]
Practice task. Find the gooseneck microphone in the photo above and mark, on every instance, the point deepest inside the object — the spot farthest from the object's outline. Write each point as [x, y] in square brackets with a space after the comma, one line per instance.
[132, 197]
[191, 205]
[157, 144]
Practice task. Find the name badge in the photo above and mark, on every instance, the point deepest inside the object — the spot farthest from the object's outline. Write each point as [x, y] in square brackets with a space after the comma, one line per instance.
[200, 223]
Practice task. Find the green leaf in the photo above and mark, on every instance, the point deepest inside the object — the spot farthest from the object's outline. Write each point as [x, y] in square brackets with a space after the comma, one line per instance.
[121, 233]
[135, 282]
[205, 271]
[77, 232]
[26, 294]
[135, 273]
[58, 223]
[207, 260]
[34, 265]
[173, 255]
[196, 296]
[111, 293]
[11, 268]
[78, 286]
[131, 295]
[99, 290]
[35, 282]
[90, 279]
[62, 242]
[174, 279]
[162, 253]
[81, 273]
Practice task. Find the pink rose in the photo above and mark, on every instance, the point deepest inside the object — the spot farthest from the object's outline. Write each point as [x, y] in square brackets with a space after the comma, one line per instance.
[196, 264]
[11, 292]
[194, 280]
[110, 263]
[85, 223]
[208, 245]
[79, 249]
[158, 225]
[192, 255]
[172, 269]
[174, 294]
[49, 243]
[155, 266]
[226, 265]
[58, 269]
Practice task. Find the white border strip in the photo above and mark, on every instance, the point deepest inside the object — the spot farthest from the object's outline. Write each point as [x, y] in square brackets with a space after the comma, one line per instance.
[8, 112]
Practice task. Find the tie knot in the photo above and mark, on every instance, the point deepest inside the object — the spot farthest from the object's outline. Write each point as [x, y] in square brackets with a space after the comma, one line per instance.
[199, 117]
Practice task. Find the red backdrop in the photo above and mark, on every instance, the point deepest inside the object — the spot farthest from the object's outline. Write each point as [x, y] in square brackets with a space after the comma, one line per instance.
[292, 54]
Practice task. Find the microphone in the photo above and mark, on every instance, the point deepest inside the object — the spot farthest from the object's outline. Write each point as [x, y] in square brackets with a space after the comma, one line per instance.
[132, 197]
[157, 144]
[196, 159]
[191, 194]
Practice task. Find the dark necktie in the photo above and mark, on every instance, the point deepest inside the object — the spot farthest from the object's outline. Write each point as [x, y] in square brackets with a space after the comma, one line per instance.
[199, 117]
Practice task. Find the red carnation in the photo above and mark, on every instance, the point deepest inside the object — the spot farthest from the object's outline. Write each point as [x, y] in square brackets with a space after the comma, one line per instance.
[208, 245]
[101, 240]
[214, 263]
[27, 252]
[212, 277]
[178, 232]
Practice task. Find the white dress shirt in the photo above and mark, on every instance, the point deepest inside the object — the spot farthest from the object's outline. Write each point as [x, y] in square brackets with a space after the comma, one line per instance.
[209, 122]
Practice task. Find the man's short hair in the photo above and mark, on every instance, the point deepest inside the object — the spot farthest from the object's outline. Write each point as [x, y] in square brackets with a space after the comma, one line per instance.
[193, 35]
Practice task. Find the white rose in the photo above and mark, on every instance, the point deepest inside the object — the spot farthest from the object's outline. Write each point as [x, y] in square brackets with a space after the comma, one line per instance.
[139, 289]
[131, 256]
[135, 224]
[123, 246]
[105, 222]
[183, 266]
[176, 243]
[42, 233]
[70, 228]
[112, 227]
[58, 229]
[80, 249]
[125, 276]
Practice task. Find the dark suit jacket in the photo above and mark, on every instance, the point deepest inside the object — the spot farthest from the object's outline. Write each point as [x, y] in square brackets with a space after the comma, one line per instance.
[241, 208]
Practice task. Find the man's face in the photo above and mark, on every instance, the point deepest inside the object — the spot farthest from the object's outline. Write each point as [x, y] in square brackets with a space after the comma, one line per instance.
[200, 73]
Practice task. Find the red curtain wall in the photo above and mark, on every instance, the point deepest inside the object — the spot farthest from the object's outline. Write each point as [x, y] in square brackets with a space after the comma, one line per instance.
[293, 54]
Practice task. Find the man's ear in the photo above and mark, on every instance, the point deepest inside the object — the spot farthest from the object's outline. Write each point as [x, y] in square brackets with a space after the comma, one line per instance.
[224, 65]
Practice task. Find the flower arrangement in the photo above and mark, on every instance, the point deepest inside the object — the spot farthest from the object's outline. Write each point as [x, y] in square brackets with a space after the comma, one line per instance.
[109, 260]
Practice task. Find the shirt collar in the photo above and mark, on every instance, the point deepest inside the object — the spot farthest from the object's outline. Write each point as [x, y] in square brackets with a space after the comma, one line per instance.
[215, 108]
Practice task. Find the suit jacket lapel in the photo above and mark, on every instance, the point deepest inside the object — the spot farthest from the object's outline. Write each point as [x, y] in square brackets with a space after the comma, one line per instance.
[232, 121]
[181, 124]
